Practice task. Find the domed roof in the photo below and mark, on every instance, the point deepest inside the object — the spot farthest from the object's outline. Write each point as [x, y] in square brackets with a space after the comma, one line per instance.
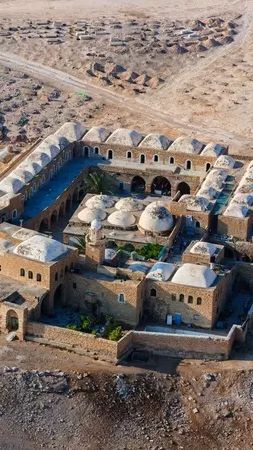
[186, 145]
[97, 135]
[22, 174]
[125, 137]
[156, 141]
[236, 210]
[96, 225]
[11, 185]
[244, 199]
[197, 203]
[122, 219]
[156, 219]
[129, 204]
[100, 201]
[204, 248]
[41, 158]
[225, 161]
[30, 166]
[161, 271]
[194, 275]
[212, 149]
[41, 248]
[72, 131]
[47, 147]
[5, 246]
[208, 192]
[87, 215]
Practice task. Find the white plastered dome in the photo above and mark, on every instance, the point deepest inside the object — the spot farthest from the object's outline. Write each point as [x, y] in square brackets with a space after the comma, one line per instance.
[156, 219]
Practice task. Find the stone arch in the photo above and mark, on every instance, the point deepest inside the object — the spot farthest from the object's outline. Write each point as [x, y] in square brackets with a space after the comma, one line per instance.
[54, 218]
[156, 158]
[208, 166]
[129, 154]
[44, 225]
[183, 188]
[110, 154]
[138, 185]
[12, 322]
[188, 164]
[161, 185]
[62, 210]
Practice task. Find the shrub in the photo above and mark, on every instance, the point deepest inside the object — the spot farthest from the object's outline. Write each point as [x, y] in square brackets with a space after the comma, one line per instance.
[115, 334]
[86, 324]
[150, 251]
[73, 326]
[127, 247]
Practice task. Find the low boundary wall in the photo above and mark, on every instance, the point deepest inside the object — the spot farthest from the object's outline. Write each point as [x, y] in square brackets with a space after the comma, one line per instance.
[165, 344]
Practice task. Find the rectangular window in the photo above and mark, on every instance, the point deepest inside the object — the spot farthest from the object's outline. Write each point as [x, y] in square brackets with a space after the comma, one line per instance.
[173, 297]
[121, 298]
[190, 299]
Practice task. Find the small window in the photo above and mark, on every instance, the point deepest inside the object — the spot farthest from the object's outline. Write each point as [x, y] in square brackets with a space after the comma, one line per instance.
[155, 158]
[74, 285]
[129, 155]
[56, 276]
[14, 214]
[0, 268]
[190, 299]
[22, 272]
[181, 297]
[153, 292]
[199, 301]
[121, 298]
[38, 277]
[208, 165]
[142, 159]
[110, 154]
[188, 165]
[66, 269]
[172, 160]
[86, 151]
[30, 275]
[96, 150]
[197, 224]
[173, 297]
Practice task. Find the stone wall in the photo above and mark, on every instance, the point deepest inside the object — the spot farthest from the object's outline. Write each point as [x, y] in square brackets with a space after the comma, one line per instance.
[101, 295]
[235, 226]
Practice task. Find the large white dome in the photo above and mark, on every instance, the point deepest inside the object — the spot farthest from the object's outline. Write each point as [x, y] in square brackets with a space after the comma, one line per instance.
[41, 248]
[129, 204]
[100, 201]
[121, 219]
[87, 215]
[156, 219]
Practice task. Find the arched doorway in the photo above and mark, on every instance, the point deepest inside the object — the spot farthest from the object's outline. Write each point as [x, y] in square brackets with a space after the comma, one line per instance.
[58, 295]
[138, 185]
[183, 188]
[161, 186]
[44, 225]
[12, 320]
[142, 159]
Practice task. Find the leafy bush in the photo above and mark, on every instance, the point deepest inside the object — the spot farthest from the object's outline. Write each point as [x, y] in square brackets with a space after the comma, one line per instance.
[86, 324]
[127, 247]
[150, 251]
[115, 334]
[73, 326]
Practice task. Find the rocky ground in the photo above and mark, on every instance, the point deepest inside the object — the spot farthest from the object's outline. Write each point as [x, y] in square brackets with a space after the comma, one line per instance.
[51, 398]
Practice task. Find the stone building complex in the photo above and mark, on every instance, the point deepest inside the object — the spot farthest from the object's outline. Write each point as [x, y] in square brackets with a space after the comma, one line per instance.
[192, 199]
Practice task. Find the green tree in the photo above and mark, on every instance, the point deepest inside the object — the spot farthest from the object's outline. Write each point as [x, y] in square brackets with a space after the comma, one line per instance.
[99, 182]
[80, 244]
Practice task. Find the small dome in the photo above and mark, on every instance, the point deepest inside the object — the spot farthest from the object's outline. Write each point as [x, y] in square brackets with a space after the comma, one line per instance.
[47, 147]
[5, 246]
[225, 161]
[156, 141]
[124, 137]
[197, 203]
[161, 271]
[156, 219]
[186, 145]
[243, 199]
[97, 135]
[11, 185]
[22, 174]
[87, 215]
[71, 131]
[129, 204]
[96, 225]
[236, 210]
[122, 219]
[204, 248]
[41, 158]
[194, 275]
[31, 166]
[212, 149]
[100, 201]
[208, 192]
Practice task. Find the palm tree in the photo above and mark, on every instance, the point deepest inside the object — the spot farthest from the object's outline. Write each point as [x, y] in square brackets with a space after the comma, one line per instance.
[80, 244]
[99, 182]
